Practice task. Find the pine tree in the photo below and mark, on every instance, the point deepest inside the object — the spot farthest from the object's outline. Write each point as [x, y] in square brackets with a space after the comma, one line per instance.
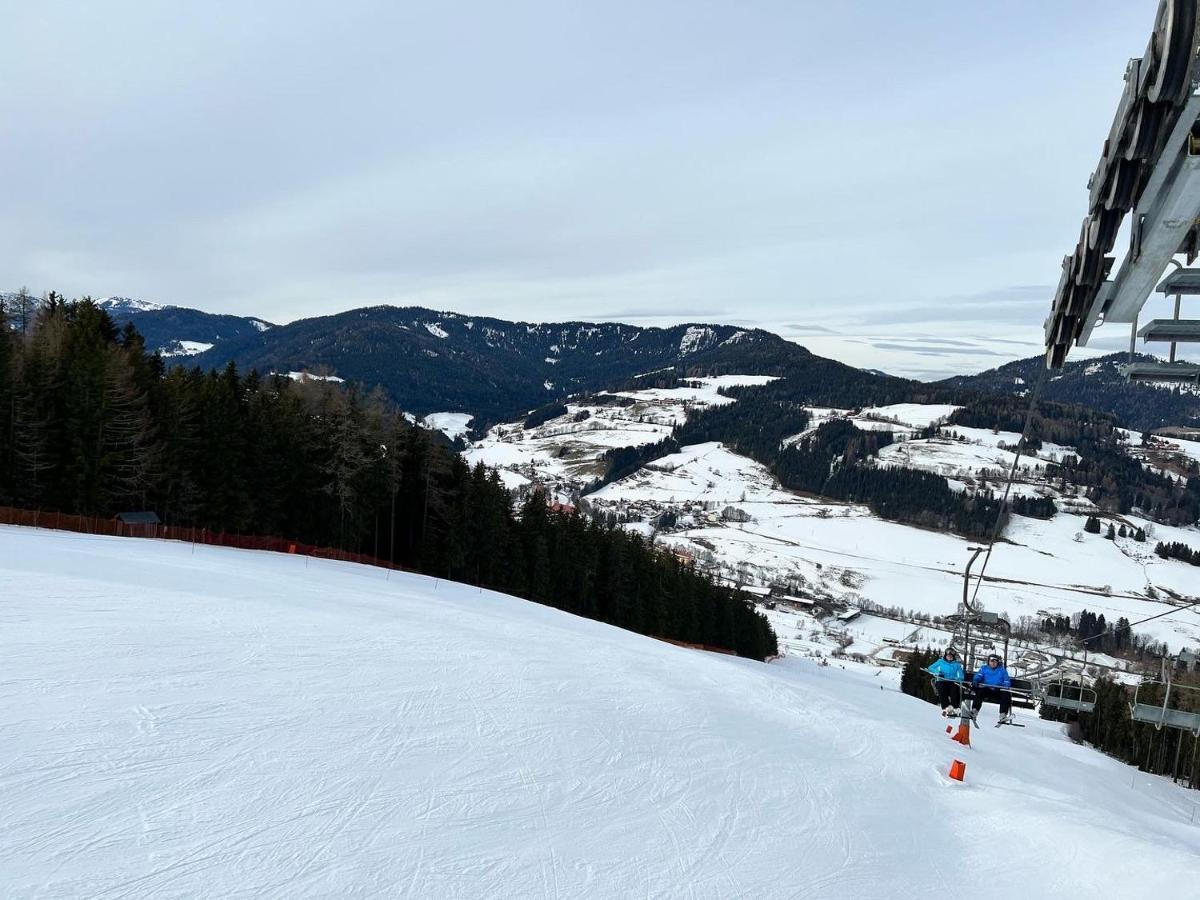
[129, 439]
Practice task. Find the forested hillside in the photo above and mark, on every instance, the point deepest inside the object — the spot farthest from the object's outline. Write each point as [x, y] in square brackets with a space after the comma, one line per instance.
[1095, 383]
[1101, 464]
[168, 327]
[837, 459]
[429, 361]
[94, 424]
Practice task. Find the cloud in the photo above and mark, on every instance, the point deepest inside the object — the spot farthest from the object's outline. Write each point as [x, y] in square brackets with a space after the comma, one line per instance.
[927, 350]
[657, 313]
[283, 161]
[807, 329]
[1015, 304]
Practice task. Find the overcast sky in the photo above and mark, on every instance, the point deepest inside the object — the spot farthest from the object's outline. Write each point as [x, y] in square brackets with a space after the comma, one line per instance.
[891, 183]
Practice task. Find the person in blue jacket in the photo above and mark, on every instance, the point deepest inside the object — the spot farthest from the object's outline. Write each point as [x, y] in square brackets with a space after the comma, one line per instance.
[949, 675]
[991, 684]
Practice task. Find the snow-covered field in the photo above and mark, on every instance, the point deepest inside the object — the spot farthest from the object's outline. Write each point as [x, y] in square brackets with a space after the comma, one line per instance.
[902, 419]
[219, 723]
[184, 348]
[453, 425]
[705, 473]
[731, 515]
[309, 376]
[565, 453]
[1040, 569]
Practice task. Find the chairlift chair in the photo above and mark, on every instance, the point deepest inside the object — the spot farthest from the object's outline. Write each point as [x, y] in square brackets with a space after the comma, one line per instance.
[1164, 715]
[1023, 692]
[1065, 694]
[1069, 696]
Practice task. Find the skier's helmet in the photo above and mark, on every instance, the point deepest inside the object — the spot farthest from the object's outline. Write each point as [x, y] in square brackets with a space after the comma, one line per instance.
[950, 653]
[994, 658]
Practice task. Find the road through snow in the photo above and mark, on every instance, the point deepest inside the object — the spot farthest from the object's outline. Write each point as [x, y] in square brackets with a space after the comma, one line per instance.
[207, 722]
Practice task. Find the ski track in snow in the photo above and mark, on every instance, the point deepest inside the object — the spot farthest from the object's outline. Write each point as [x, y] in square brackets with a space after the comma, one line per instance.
[179, 722]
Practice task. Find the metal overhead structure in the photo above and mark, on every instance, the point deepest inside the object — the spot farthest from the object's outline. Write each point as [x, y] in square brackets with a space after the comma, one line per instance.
[1149, 170]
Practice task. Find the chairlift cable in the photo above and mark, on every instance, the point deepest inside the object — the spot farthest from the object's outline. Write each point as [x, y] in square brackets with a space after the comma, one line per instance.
[1012, 474]
[1161, 615]
[999, 521]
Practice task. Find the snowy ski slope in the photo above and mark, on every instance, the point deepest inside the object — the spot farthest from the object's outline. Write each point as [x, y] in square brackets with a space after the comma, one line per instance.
[179, 722]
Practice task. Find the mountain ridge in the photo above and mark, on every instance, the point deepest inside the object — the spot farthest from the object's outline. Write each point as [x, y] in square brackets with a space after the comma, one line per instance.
[431, 361]
[1094, 382]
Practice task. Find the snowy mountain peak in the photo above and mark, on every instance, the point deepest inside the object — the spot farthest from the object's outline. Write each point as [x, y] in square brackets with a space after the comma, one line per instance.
[697, 337]
[127, 304]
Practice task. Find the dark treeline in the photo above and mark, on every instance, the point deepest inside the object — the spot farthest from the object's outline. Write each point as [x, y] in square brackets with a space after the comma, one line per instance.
[915, 680]
[1093, 628]
[92, 424]
[621, 461]
[1055, 423]
[1106, 473]
[916, 498]
[755, 426]
[544, 414]
[817, 460]
[1111, 729]
[1117, 482]
[1178, 550]
[836, 461]
[1095, 384]
[1034, 507]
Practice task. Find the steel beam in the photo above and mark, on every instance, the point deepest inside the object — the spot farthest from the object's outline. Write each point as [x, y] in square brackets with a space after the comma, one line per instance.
[1171, 331]
[1160, 223]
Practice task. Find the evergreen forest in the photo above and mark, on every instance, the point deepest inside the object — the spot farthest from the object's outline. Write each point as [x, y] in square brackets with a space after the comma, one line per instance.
[93, 424]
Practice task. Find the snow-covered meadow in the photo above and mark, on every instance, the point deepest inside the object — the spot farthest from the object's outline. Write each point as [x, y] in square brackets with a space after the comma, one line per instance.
[453, 425]
[566, 452]
[207, 722]
[730, 514]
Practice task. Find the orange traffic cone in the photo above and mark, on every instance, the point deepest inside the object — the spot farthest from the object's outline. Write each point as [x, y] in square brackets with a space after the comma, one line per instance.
[963, 736]
[958, 769]
[949, 728]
